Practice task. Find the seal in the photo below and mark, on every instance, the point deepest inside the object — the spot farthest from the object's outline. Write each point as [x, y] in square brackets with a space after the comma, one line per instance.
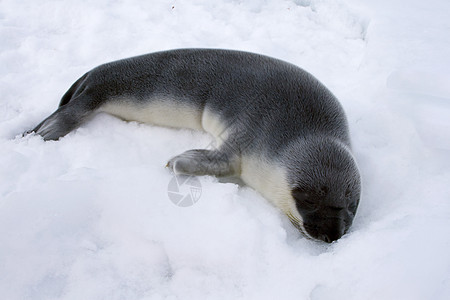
[275, 126]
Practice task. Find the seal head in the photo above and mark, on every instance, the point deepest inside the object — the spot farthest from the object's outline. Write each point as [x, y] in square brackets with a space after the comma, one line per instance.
[326, 188]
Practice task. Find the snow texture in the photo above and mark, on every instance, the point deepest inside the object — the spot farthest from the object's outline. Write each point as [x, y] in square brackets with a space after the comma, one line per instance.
[89, 217]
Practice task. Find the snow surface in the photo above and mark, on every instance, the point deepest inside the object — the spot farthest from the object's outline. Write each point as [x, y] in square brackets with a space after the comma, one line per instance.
[88, 217]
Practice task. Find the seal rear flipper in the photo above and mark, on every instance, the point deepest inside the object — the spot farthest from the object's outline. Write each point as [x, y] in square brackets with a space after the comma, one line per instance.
[204, 162]
[65, 119]
[73, 91]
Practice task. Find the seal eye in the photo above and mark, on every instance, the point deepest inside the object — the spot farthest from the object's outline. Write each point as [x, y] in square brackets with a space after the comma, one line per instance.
[323, 191]
[352, 208]
[348, 193]
[304, 198]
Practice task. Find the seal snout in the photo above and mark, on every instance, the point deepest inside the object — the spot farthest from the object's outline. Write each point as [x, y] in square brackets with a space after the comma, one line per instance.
[328, 232]
[332, 234]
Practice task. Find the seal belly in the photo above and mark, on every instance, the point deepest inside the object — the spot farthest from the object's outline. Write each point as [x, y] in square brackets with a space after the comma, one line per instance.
[169, 113]
[212, 124]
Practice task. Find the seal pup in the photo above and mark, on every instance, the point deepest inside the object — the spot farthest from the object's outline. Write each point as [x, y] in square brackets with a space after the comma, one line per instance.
[275, 126]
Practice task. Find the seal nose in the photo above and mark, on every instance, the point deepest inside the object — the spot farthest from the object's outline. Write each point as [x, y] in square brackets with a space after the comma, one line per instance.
[332, 233]
[329, 239]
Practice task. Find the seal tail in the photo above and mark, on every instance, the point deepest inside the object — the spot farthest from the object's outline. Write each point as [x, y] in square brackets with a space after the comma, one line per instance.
[74, 109]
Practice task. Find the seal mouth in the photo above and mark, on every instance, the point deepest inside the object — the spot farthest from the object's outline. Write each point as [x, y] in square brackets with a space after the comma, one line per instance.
[327, 234]
[312, 232]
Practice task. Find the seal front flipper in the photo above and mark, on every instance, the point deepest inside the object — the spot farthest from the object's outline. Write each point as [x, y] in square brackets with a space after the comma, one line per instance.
[205, 162]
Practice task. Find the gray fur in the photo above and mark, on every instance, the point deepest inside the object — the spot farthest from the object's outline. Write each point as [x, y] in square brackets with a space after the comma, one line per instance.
[205, 162]
[268, 109]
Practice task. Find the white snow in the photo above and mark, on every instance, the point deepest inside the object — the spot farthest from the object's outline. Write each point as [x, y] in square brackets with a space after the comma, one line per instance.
[88, 217]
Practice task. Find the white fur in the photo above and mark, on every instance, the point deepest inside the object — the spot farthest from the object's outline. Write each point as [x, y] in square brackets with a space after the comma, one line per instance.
[163, 112]
[269, 179]
[167, 113]
[211, 123]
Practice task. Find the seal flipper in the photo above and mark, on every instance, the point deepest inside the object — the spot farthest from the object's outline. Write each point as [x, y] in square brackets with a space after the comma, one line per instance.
[74, 90]
[65, 119]
[200, 162]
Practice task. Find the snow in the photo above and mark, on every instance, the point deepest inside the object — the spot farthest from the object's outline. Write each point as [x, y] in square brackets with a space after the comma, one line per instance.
[89, 217]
